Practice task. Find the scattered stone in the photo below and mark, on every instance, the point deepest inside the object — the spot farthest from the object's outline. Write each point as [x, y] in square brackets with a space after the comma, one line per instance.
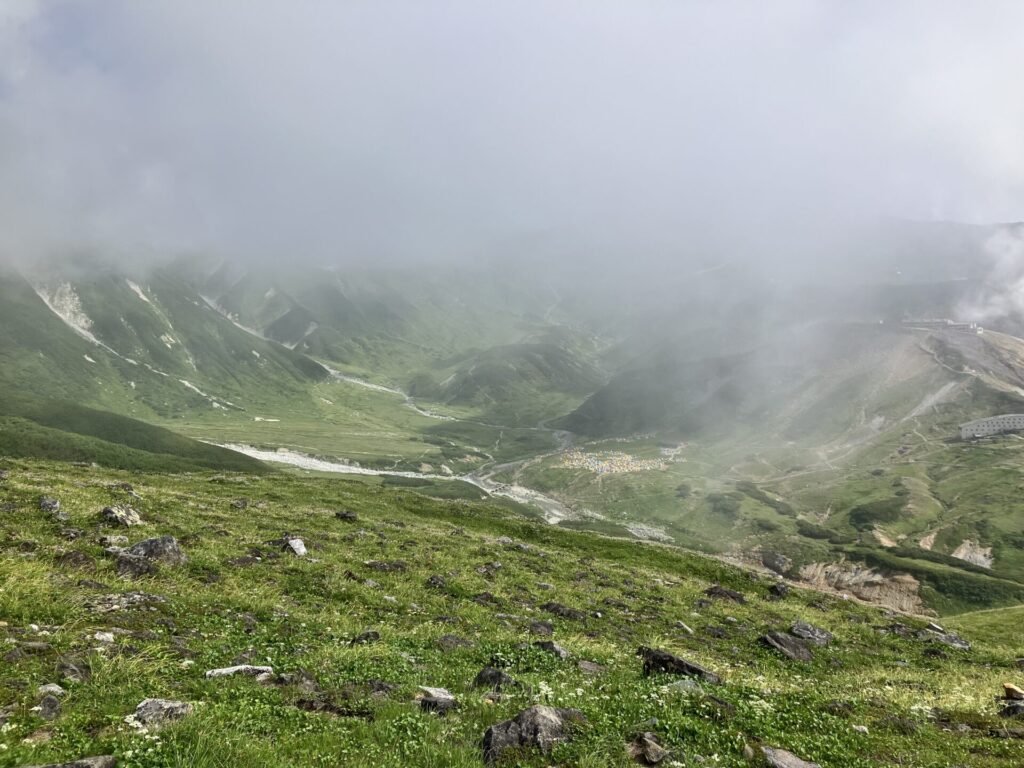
[50, 689]
[538, 727]
[297, 547]
[1013, 709]
[719, 592]
[122, 601]
[778, 591]
[102, 761]
[810, 633]
[791, 647]
[542, 628]
[485, 598]
[861, 729]
[495, 679]
[438, 700]
[121, 514]
[388, 566]
[589, 667]
[657, 660]
[74, 669]
[116, 540]
[451, 642]
[646, 749]
[684, 627]
[240, 503]
[564, 611]
[327, 706]
[49, 707]
[74, 559]
[347, 515]
[103, 637]
[780, 758]
[950, 639]
[369, 636]
[1012, 692]
[775, 561]
[437, 582]
[154, 713]
[553, 648]
[51, 506]
[240, 669]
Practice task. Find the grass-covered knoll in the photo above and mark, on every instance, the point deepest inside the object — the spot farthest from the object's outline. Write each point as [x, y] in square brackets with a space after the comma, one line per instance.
[225, 606]
[57, 429]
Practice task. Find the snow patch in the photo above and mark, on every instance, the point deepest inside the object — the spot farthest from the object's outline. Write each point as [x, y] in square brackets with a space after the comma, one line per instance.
[138, 291]
[260, 418]
[89, 358]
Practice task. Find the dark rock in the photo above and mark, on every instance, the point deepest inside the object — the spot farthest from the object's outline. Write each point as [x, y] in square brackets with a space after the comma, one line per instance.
[791, 647]
[154, 713]
[387, 566]
[132, 567]
[775, 561]
[370, 636]
[71, 534]
[778, 591]
[240, 503]
[780, 758]
[162, 548]
[538, 727]
[74, 669]
[551, 647]
[485, 598]
[646, 749]
[656, 660]
[564, 611]
[438, 700]
[437, 582]
[49, 707]
[542, 628]
[451, 642]
[719, 592]
[810, 633]
[495, 679]
[347, 515]
[328, 707]
[75, 559]
[1013, 709]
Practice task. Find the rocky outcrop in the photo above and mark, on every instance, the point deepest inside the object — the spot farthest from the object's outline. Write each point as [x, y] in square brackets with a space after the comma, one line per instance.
[972, 552]
[538, 727]
[899, 591]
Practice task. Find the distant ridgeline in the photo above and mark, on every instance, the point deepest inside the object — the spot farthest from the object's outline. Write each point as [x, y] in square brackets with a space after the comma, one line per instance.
[993, 425]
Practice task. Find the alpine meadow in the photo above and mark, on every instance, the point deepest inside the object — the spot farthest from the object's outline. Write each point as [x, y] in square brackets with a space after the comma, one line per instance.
[457, 385]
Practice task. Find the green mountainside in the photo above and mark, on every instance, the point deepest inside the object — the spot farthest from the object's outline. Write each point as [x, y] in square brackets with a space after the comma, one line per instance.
[392, 591]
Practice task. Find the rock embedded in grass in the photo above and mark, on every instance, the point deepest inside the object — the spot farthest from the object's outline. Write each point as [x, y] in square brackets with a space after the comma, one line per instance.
[51, 506]
[49, 707]
[539, 727]
[791, 647]
[101, 761]
[564, 611]
[810, 633]
[780, 758]
[657, 660]
[718, 592]
[297, 547]
[239, 669]
[646, 749]
[122, 515]
[154, 713]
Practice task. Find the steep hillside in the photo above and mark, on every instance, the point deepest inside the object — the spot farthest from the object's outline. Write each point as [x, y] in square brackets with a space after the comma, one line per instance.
[383, 597]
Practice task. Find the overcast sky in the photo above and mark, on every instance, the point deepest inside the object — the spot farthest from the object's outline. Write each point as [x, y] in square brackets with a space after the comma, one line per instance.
[366, 131]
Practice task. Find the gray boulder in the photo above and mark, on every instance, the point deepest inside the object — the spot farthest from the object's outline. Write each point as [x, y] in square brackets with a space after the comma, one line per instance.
[51, 506]
[538, 727]
[646, 749]
[780, 758]
[163, 548]
[121, 514]
[154, 713]
[792, 648]
[810, 633]
[102, 761]
[240, 669]
[49, 707]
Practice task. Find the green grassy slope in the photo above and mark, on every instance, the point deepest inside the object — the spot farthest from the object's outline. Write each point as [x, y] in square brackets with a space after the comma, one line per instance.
[55, 429]
[923, 705]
